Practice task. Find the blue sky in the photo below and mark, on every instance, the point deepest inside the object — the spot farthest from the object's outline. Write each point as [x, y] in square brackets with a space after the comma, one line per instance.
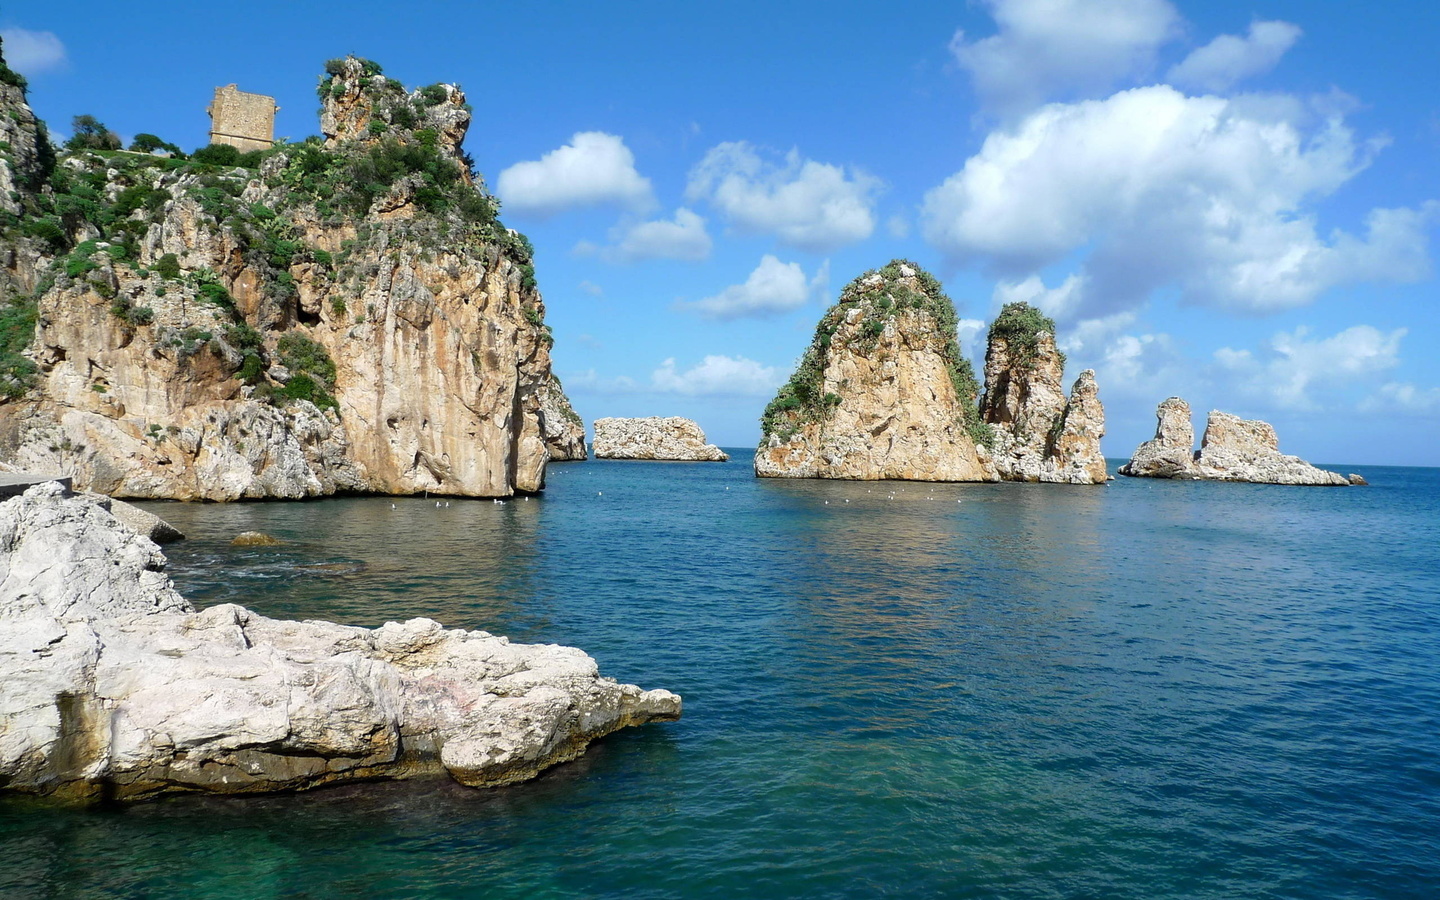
[1236, 203]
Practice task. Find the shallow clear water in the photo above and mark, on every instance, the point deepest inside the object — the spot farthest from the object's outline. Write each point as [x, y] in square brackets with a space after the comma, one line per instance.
[1149, 689]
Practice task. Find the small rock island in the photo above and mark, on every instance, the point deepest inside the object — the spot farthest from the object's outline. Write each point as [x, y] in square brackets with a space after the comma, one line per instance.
[113, 687]
[1232, 449]
[669, 438]
[884, 392]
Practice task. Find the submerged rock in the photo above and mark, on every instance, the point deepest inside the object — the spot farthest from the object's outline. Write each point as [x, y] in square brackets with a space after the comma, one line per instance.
[254, 539]
[1232, 449]
[655, 437]
[113, 687]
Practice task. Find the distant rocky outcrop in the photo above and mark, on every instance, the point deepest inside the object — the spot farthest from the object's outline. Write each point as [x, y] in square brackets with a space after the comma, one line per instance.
[1232, 449]
[883, 391]
[344, 314]
[1039, 434]
[112, 687]
[654, 437]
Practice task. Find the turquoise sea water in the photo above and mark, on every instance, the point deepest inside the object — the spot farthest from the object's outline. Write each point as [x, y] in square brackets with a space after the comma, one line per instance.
[1144, 690]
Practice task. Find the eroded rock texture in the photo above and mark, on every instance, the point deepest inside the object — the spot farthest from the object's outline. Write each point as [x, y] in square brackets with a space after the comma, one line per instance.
[654, 437]
[113, 687]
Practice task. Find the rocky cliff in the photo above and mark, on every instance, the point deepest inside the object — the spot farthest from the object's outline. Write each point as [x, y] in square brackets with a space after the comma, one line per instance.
[1039, 434]
[883, 391]
[654, 437]
[112, 687]
[344, 314]
[1232, 449]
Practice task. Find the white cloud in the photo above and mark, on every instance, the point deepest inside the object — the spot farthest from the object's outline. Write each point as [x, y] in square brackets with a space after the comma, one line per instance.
[806, 204]
[773, 288]
[1404, 398]
[591, 288]
[718, 375]
[591, 382]
[1153, 188]
[1046, 49]
[683, 237]
[1294, 363]
[1230, 59]
[1057, 302]
[32, 52]
[594, 169]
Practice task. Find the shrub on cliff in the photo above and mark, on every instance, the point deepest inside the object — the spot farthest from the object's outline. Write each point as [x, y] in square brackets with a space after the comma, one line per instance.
[1020, 325]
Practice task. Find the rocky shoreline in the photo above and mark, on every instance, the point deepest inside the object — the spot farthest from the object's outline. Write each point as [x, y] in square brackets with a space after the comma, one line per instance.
[669, 438]
[113, 687]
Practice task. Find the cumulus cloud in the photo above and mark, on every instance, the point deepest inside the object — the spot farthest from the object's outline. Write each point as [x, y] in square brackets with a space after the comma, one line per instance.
[1404, 398]
[806, 204]
[1046, 49]
[594, 169]
[32, 52]
[773, 288]
[1153, 188]
[718, 376]
[682, 237]
[1230, 58]
[1293, 363]
[1057, 302]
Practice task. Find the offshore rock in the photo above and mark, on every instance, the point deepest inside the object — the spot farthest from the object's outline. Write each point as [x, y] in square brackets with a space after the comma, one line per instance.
[1038, 433]
[113, 687]
[270, 333]
[655, 437]
[882, 391]
[1232, 449]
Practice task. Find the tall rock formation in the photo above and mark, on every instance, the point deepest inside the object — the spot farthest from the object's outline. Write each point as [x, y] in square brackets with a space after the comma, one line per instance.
[654, 437]
[336, 315]
[882, 391]
[1232, 449]
[112, 687]
[1038, 433]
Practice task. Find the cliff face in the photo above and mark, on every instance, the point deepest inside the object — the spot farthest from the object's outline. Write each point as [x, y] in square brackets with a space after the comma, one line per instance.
[1232, 449]
[654, 437]
[345, 315]
[560, 426]
[1038, 433]
[882, 391]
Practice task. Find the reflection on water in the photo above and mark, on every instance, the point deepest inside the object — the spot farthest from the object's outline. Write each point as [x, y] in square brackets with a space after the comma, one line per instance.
[1147, 689]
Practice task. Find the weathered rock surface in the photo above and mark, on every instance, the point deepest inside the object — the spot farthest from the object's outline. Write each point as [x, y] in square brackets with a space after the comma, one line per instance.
[166, 353]
[881, 392]
[145, 524]
[654, 437]
[1039, 433]
[113, 687]
[1232, 449]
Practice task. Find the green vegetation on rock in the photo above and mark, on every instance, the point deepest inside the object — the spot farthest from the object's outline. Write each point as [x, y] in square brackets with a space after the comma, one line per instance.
[1020, 325]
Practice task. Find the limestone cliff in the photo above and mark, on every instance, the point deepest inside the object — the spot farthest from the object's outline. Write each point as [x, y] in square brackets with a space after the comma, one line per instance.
[112, 687]
[1038, 434]
[882, 391]
[1232, 449]
[654, 437]
[344, 314]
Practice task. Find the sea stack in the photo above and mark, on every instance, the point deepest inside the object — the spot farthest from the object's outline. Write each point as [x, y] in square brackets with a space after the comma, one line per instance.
[1232, 449]
[345, 314]
[882, 391]
[113, 687]
[1039, 434]
[669, 438]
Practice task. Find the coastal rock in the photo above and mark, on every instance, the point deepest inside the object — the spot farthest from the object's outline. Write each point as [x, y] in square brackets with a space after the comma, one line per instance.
[137, 520]
[113, 687]
[882, 391]
[654, 437]
[1038, 433]
[254, 539]
[289, 331]
[1232, 449]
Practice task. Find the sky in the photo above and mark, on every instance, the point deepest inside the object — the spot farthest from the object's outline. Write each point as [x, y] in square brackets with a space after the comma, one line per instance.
[1231, 202]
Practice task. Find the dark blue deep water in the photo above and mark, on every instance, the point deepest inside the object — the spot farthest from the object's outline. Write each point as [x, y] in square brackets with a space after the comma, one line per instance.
[1143, 690]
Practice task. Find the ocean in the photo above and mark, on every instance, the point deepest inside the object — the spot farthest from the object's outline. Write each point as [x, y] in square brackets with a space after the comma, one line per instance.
[1148, 689]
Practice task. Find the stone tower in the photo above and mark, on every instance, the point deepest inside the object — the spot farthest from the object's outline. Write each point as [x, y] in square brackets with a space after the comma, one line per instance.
[242, 120]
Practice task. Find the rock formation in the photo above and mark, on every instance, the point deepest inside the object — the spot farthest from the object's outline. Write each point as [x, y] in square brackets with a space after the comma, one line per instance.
[113, 687]
[1232, 449]
[336, 315]
[883, 391]
[1038, 433]
[671, 438]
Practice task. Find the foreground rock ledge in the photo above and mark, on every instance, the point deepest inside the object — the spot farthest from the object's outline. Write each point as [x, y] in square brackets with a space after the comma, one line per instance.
[654, 437]
[113, 687]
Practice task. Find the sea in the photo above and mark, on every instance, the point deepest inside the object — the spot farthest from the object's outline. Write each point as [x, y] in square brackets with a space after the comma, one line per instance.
[1147, 689]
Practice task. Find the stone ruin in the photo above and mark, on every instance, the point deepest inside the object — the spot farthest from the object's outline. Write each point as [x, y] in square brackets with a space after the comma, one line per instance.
[243, 120]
